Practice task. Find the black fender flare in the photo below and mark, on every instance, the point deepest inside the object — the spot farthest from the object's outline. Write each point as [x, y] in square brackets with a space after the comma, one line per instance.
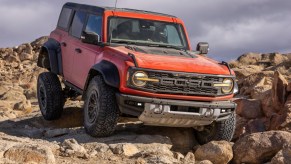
[54, 54]
[109, 72]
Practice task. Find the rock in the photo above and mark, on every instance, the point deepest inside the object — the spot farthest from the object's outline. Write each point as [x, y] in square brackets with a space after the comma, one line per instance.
[286, 115]
[101, 148]
[25, 48]
[179, 156]
[289, 87]
[277, 58]
[189, 158]
[160, 159]
[275, 122]
[30, 93]
[261, 89]
[215, 151]
[23, 106]
[244, 71]
[152, 148]
[12, 58]
[249, 109]
[205, 162]
[267, 104]
[283, 156]
[282, 119]
[72, 148]
[56, 132]
[26, 153]
[249, 58]
[240, 128]
[124, 149]
[248, 84]
[256, 125]
[279, 94]
[25, 56]
[259, 147]
[13, 95]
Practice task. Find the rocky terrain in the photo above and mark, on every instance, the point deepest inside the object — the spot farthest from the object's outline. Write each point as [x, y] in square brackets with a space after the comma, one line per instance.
[263, 133]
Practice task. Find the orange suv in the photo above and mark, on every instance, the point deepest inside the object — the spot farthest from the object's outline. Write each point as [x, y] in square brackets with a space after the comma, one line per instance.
[134, 63]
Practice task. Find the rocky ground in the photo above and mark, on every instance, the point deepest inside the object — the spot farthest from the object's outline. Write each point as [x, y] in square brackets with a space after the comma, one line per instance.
[263, 121]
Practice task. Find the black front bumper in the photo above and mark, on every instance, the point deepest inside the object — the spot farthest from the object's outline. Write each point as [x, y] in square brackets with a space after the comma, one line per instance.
[128, 104]
[174, 113]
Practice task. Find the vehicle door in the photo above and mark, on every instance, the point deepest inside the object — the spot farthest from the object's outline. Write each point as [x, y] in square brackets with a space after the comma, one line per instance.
[72, 43]
[64, 39]
[85, 54]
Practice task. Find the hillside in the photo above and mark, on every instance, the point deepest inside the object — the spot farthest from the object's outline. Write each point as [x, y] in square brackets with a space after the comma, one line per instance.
[263, 131]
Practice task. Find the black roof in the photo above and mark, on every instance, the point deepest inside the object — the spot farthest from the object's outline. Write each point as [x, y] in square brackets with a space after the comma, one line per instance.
[91, 8]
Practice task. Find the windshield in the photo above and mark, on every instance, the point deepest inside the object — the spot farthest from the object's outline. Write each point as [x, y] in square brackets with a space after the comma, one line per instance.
[146, 32]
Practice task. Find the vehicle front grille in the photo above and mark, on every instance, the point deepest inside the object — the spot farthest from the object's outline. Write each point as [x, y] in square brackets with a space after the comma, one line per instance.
[180, 83]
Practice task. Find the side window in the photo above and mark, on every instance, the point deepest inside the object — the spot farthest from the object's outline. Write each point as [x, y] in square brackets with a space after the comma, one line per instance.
[94, 24]
[65, 18]
[77, 25]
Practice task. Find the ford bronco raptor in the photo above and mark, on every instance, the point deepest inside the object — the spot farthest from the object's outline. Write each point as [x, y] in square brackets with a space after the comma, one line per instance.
[134, 63]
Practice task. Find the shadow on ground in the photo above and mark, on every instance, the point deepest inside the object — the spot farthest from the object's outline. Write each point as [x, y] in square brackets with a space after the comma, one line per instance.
[71, 124]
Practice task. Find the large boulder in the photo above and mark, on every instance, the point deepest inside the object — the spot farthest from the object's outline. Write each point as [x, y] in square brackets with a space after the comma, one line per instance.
[216, 151]
[249, 109]
[259, 147]
[279, 91]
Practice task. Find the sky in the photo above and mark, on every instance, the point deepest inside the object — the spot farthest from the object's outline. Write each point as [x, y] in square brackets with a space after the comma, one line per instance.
[231, 28]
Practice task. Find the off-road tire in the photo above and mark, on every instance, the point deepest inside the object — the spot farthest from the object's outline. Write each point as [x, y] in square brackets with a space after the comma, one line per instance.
[50, 96]
[217, 131]
[100, 115]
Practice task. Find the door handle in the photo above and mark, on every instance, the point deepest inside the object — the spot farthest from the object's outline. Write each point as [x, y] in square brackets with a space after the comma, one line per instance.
[78, 50]
[64, 44]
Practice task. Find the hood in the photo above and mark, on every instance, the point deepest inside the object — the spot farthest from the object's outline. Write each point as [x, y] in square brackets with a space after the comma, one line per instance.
[177, 61]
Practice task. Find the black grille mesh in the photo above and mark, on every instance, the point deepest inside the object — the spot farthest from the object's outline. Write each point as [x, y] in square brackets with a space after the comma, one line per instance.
[187, 84]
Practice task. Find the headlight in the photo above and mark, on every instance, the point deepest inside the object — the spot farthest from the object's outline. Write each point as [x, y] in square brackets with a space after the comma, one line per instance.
[138, 78]
[228, 85]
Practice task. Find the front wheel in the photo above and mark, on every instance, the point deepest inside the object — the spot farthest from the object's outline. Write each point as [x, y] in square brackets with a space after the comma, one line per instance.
[100, 109]
[217, 131]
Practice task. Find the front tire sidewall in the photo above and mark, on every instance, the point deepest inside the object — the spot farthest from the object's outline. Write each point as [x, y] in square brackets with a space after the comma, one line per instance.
[105, 109]
[87, 120]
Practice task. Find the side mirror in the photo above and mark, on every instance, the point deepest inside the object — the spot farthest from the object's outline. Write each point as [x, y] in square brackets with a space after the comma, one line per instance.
[203, 47]
[90, 38]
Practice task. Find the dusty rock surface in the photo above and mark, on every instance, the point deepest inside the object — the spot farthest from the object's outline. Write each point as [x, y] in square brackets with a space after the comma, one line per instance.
[264, 104]
[216, 151]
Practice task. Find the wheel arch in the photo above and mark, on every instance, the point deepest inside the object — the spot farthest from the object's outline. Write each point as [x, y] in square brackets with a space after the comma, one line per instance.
[107, 70]
[50, 57]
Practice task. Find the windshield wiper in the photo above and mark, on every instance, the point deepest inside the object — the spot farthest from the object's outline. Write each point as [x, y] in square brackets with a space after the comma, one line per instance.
[123, 42]
[167, 46]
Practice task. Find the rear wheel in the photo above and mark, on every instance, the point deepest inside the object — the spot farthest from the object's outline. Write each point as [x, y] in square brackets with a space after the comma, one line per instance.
[100, 109]
[50, 96]
[222, 130]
